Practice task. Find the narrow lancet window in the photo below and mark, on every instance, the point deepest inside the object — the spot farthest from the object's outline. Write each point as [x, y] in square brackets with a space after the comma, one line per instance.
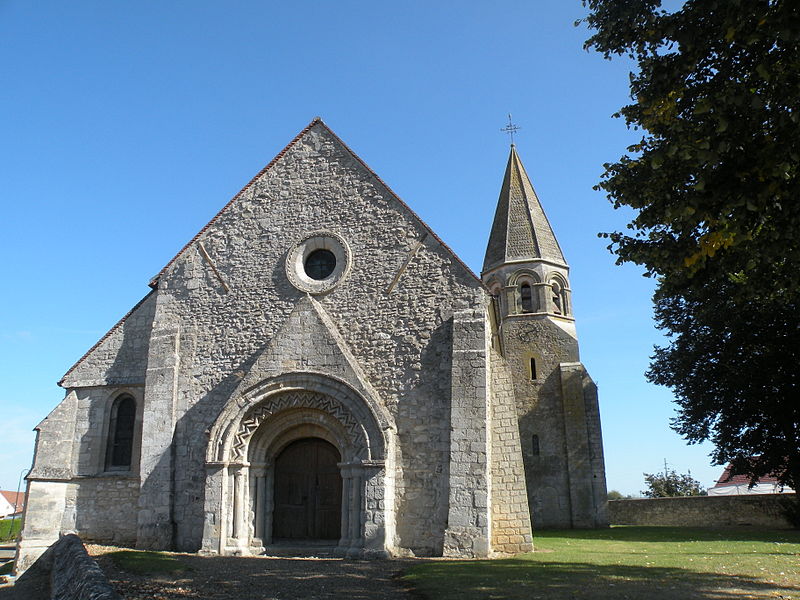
[533, 369]
[526, 298]
[535, 445]
[120, 432]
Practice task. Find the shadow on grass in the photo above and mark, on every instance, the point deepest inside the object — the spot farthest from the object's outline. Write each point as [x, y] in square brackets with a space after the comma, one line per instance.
[635, 533]
[518, 578]
[146, 563]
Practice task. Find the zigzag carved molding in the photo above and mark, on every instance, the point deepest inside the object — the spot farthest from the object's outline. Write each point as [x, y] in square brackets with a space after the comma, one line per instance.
[288, 400]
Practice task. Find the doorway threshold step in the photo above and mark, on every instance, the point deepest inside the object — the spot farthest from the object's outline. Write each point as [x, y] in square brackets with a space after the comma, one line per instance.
[302, 548]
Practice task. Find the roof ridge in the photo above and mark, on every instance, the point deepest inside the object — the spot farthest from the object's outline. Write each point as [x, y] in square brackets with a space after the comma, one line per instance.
[105, 337]
[544, 213]
[521, 174]
[430, 231]
[270, 164]
[314, 121]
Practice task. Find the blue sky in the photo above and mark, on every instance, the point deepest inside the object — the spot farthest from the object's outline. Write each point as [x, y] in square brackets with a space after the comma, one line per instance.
[126, 126]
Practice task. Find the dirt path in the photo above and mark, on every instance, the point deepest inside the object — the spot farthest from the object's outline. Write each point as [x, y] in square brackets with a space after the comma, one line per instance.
[251, 578]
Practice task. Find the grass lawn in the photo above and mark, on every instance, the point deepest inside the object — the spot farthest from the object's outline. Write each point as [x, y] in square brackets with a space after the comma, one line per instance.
[9, 529]
[146, 563]
[627, 562]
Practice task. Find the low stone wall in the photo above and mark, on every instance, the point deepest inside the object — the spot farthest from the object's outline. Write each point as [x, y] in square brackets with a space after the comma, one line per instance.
[757, 510]
[75, 575]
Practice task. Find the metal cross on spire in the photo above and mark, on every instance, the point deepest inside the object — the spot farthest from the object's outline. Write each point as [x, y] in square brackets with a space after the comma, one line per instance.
[510, 129]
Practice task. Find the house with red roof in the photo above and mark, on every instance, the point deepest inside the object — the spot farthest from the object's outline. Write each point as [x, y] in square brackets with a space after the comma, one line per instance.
[731, 483]
[11, 503]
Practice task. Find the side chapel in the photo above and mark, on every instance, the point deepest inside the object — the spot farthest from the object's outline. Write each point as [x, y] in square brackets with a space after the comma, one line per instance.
[316, 364]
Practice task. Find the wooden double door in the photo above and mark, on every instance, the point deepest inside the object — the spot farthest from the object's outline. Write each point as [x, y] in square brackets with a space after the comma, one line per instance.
[308, 491]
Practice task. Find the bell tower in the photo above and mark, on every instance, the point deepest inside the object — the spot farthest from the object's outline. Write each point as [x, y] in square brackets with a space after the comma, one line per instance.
[559, 421]
[524, 264]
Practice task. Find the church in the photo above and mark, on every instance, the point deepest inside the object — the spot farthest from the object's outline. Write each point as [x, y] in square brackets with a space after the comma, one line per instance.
[316, 364]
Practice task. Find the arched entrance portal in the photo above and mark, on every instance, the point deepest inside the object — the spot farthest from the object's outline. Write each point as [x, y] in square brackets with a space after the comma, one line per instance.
[299, 456]
[308, 491]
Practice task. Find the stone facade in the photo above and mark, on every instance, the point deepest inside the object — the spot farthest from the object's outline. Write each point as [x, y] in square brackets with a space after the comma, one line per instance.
[395, 354]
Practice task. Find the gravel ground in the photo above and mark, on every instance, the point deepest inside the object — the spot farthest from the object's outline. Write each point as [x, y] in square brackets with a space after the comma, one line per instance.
[251, 578]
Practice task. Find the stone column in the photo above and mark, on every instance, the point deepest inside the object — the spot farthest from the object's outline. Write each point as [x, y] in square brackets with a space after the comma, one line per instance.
[542, 291]
[269, 502]
[355, 509]
[344, 540]
[258, 505]
[239, 502]
[511, 300]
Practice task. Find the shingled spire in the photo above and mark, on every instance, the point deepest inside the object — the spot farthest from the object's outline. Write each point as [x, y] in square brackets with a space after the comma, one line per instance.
[521, 231]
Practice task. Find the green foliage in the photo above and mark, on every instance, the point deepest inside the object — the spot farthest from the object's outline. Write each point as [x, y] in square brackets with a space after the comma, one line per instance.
[145, 563]
[667, 563]
[9, 529]
[670, 484]
[717, 94]
[715, 183]
[615, 495]
[791, 509]
[733, 365]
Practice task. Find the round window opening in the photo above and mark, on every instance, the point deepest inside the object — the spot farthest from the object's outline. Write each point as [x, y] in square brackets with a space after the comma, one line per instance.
[320, 264]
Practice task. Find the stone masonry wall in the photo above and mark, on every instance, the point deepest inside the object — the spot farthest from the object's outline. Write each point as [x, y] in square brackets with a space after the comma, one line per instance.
[511, 522]
[541, 413]
[75, 575]
[393, 310]
[103, 509]
[757, 510]
[120, 358]
[47, 482]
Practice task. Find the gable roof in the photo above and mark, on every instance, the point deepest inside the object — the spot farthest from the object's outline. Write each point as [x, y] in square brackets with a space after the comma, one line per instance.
[297, 138]
[314, 122]
[730, 477]
[15, 499]
[520, 230]
[107, 335]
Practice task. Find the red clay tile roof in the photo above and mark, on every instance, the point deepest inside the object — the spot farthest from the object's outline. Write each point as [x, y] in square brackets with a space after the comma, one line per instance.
[738, 479]
[14, 499]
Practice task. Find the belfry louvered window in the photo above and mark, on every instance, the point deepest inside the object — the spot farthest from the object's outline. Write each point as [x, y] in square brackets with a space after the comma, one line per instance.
[526, 298]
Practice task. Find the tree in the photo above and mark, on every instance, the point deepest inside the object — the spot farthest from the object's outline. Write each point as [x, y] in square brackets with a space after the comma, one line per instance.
[670, 484]
[715, 183]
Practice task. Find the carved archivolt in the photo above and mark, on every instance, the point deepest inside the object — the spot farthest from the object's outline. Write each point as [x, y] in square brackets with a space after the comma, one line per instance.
[362, 425]
[290, 400]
